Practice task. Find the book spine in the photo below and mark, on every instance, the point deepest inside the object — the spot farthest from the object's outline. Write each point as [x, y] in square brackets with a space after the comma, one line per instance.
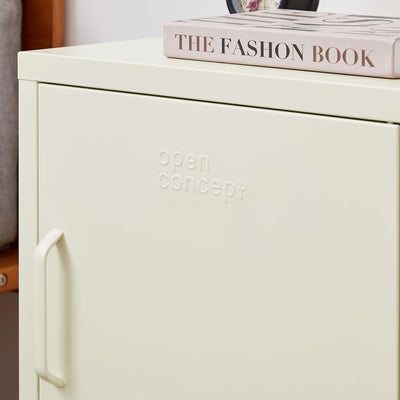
[358, 55]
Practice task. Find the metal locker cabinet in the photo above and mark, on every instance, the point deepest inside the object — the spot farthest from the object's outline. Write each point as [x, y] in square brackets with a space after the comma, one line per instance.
[196, 247]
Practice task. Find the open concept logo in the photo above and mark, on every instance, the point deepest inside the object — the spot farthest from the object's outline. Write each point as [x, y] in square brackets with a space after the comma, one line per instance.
[191, 173]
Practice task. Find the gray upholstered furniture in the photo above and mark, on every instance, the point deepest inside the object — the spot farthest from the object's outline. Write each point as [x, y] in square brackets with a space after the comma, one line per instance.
[10, 38]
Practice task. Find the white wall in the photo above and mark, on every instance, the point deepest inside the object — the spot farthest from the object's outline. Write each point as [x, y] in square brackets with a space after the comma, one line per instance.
[365, 7]
[90, 21]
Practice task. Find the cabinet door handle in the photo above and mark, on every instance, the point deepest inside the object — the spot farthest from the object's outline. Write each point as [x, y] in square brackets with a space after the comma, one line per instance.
[40, 307]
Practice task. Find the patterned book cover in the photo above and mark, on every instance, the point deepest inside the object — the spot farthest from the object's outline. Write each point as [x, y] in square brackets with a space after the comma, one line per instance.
[255, 5]
[314, 41]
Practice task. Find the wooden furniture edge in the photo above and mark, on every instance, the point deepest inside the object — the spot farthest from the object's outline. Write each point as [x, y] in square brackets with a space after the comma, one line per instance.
[43, 24]
[8, 270]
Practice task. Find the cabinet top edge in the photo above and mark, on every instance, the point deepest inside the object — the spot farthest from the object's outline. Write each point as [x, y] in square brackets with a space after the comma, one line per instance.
[139, 66]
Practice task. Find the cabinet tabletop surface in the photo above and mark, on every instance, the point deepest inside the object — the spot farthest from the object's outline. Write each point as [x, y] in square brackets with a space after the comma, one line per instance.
[139, 66]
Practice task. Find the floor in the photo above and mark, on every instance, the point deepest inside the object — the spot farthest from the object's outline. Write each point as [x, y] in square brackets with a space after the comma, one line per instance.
[9, 346]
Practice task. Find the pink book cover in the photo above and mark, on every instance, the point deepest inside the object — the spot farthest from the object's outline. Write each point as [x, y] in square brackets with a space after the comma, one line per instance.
[314, 41]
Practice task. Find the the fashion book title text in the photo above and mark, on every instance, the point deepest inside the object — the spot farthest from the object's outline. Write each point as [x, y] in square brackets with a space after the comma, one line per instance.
[275, 50]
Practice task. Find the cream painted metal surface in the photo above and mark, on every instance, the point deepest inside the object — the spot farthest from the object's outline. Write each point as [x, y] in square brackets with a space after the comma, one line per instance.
[217, 252]
[139, 67]
[210, 250]
[28, 235]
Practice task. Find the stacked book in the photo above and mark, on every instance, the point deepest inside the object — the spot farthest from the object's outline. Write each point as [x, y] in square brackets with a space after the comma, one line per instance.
[306, 40]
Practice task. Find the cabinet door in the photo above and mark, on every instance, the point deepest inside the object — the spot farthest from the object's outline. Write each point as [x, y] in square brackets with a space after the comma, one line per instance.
[217, 252]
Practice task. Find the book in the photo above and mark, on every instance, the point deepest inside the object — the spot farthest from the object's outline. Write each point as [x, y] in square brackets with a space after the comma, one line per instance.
[314, 41]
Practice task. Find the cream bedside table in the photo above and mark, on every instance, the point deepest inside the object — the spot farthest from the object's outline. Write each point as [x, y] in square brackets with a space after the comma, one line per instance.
[201, 231]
